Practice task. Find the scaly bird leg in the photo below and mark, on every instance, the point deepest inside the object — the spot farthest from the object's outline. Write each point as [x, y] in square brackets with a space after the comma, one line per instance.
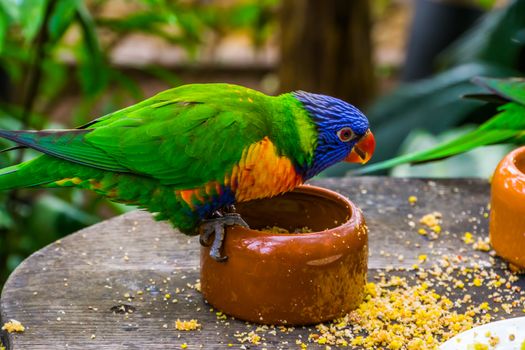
[217, 226]
[208, 230]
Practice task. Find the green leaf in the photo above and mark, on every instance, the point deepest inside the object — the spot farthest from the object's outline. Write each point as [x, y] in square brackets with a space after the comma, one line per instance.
[149, 23]
[165, 75]
[462, 144]
[47, 219]
[82, 112]
[4, 27]
[480, 162]
[128, 85]
[512, 89]
[511, 116]
[506, 127]
[432, 104]
[57, 75]
[8, 15]
[495, 39]
[7, 121]
[11, 8]
[120, 208]
[5, 219]
[13, 260]
[31, 17]
[245, 15]
[192, 28]
[486, 4]
[59, 216]
[93, 72]
[62, 18]
[142, 21]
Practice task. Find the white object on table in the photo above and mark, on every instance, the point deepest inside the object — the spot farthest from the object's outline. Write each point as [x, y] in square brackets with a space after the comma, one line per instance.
[505, 330]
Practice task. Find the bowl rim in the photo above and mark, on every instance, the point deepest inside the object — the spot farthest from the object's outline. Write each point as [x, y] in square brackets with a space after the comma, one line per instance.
[516, 155]
[355, 215]
[508, 169]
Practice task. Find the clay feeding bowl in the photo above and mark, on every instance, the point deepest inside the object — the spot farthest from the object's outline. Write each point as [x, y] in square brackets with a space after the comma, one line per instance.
[291, 278]
[507, 212]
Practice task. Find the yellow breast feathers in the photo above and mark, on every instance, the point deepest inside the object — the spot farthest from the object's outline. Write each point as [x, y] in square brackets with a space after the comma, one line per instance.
[261, 173]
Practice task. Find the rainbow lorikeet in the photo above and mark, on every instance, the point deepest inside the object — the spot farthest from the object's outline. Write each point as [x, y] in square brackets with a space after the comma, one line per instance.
[189, 154]
[508, 126]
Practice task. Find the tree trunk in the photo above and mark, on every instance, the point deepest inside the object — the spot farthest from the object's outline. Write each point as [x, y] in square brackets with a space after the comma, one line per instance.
[326, 48]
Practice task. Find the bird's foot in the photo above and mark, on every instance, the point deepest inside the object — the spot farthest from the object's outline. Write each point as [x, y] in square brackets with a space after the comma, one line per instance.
[217, 226]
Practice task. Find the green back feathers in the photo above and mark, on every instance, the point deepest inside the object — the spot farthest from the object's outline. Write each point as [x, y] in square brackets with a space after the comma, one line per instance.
[66, 144]
[298, 132]
[183, 137]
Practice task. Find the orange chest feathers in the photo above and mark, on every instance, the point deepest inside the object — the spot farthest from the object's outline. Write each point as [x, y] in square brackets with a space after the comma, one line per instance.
[261, 173]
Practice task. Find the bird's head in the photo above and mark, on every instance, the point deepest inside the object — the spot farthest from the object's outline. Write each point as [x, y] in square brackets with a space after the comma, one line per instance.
[343, 131]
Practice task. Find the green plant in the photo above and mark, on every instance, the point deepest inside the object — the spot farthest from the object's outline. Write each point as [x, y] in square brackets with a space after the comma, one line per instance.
[51, 50]
[505, 127]
[495, 47]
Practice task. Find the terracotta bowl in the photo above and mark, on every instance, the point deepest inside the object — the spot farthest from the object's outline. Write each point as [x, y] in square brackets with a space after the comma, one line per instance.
[507, 213]
[291, 279]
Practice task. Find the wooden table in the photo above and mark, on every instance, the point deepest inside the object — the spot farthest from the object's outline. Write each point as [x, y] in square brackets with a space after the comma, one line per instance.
[85, 291]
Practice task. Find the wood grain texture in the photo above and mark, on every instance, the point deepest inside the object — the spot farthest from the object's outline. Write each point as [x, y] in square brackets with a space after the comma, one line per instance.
[72, 293]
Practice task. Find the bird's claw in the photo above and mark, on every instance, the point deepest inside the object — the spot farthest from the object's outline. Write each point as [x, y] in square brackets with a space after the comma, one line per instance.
[217, 226]
[231, 219]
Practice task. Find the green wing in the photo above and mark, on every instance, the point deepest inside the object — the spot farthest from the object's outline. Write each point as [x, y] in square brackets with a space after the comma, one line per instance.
[183, 137]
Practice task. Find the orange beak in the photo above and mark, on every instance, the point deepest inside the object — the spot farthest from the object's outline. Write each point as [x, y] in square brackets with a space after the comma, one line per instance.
[363, 150]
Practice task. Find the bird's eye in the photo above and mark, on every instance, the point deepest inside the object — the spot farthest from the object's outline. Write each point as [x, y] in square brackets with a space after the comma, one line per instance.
[345, 134]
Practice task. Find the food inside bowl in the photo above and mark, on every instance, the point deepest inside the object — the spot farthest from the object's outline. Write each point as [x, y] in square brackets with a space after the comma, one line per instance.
[277, 229]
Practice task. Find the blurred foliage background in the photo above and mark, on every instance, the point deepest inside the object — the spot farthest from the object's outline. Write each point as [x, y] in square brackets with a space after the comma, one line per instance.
[64, 62]
[405, 62]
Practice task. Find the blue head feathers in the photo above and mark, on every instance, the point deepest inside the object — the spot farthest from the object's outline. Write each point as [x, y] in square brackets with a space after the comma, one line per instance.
[339, 125]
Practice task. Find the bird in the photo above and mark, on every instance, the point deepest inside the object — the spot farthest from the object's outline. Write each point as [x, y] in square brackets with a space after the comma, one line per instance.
[507, 126]
[190, 153]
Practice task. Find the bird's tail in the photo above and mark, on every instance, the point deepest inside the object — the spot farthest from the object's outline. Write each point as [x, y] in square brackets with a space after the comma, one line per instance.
[9, 177]
[65, 154]
[27, 174]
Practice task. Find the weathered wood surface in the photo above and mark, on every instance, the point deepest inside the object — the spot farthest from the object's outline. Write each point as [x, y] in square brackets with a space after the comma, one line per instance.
[71, 294]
